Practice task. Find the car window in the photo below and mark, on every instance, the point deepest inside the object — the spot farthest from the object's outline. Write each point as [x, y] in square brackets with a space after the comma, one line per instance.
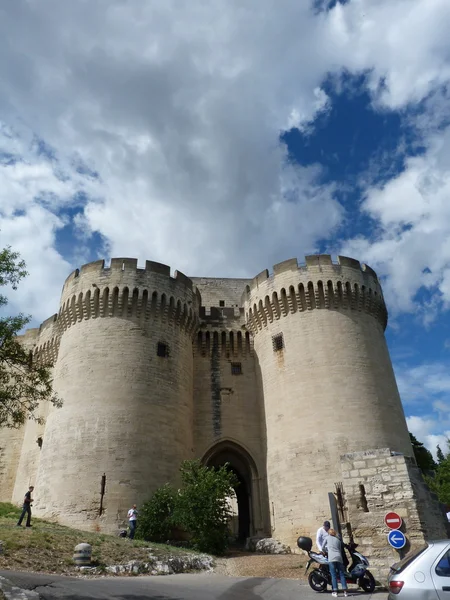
[443, 566]
[408, 559]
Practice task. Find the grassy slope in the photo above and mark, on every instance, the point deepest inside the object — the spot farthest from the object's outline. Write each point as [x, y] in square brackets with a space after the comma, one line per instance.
[48, 547]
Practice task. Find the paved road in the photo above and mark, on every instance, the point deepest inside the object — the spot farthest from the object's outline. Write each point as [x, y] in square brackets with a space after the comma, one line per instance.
[170, 587]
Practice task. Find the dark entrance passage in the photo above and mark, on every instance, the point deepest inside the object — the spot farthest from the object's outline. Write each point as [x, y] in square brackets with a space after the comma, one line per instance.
[239, 463]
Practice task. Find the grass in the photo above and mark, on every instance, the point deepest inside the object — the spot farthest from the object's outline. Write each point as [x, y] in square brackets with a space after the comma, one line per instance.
[48, 547]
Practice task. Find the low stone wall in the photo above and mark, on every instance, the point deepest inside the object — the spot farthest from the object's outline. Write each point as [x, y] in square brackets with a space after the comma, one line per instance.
[377, 482]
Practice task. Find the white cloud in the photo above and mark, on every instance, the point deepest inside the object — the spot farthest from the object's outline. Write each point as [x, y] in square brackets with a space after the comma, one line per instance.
[422, 429]
[427, 381]
[403, 42]
[412, 245]
[178, 107]
[425, 388]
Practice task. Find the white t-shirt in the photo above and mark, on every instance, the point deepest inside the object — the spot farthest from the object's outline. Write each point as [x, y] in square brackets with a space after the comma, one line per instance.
[132, 514]
[448, 516]
[320, 538]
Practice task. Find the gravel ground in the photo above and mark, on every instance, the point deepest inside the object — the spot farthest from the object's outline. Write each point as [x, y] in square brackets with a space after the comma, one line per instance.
[249, 564]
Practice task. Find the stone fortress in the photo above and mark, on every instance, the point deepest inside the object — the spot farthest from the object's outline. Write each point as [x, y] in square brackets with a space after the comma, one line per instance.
[286, 376]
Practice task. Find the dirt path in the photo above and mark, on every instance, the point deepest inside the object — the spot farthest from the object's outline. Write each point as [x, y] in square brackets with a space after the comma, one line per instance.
[249, 564]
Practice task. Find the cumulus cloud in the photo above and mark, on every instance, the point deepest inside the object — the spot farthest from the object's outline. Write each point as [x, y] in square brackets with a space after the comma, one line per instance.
[179, 107]
[411, 247]
[425, 391]
[423, 429]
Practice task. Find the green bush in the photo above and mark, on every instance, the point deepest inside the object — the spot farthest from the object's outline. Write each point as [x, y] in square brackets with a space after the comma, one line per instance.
[200, 508]
[155, 521]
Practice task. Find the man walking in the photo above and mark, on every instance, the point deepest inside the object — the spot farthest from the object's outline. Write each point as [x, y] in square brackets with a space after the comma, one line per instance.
[132, 521]
[26, 509]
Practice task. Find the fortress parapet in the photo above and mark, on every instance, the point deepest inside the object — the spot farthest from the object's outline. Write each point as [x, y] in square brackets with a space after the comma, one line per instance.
[126, 291]
[318, 284]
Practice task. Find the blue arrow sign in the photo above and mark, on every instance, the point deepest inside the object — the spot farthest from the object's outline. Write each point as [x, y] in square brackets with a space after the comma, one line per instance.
[397, 539]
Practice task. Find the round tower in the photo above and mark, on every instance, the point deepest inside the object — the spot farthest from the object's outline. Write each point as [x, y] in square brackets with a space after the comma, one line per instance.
[125, 374]
[328, 383]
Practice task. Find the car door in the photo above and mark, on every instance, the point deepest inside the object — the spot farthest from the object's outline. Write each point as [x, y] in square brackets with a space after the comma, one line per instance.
[440, 572]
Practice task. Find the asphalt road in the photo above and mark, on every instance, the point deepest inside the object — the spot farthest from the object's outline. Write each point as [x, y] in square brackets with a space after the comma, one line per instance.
[170, 587]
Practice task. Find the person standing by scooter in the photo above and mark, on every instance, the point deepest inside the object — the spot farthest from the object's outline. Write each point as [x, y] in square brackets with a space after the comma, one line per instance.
[322, 533]
[333, 546]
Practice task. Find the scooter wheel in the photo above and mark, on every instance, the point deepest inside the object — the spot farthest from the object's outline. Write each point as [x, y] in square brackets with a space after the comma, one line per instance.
[367, 582]
[316, 582]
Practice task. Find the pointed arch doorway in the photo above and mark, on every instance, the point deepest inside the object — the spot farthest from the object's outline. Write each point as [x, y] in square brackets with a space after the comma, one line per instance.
[247, 492]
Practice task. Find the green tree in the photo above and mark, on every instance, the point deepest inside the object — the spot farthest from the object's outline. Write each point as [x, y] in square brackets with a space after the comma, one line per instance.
[440, 483]
[439, 454]
[23, 383]
[202, 506]
[423, 456]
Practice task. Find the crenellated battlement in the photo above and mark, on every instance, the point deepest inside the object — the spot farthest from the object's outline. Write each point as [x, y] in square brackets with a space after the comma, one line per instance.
[124, 290]
[316, 263]
[120, 269]
[318, 284]
[43, 341]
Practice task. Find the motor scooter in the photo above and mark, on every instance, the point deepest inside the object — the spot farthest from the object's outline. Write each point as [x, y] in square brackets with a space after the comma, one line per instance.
[320, 577]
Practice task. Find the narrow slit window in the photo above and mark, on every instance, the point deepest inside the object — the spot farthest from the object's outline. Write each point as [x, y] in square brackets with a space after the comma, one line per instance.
[162, 350]
[221, 302]
[278, 342]
[236, 368]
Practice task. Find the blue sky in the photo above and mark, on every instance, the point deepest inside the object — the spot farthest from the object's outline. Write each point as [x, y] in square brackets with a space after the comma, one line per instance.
[221, 139]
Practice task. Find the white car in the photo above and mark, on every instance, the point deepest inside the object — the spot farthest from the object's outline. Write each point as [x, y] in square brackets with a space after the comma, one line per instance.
[423, 574]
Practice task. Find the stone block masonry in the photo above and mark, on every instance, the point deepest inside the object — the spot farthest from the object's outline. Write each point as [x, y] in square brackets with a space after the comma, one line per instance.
[380, 481]
[278, 376]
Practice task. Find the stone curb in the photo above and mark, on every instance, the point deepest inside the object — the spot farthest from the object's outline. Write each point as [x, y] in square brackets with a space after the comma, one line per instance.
[12, 592]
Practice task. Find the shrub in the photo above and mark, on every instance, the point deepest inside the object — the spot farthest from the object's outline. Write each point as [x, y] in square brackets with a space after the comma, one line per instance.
[202, 508]
[155, 522]
[199, 508]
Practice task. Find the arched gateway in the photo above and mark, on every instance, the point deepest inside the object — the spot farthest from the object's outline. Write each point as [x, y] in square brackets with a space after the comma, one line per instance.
[248, 493]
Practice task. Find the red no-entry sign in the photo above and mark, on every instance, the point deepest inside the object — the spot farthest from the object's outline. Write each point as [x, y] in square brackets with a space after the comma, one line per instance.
[393, 520]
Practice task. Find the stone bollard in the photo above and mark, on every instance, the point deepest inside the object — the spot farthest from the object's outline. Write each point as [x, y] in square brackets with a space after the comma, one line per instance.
[82, 555]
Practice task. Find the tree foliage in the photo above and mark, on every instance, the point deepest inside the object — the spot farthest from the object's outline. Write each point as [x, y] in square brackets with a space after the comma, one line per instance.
[199, 507]
[202, 507]
[423, 456]
[440, 483]
[156, 521]
[439, 454]
[23, 383]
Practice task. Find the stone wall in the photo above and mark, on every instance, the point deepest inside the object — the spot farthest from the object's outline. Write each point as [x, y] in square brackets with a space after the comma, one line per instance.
[228, 406]
[391, 482]
[216, 292]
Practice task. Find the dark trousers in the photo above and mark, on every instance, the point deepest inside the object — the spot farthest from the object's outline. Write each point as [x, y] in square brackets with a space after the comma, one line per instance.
[25, 511]
[132, 528]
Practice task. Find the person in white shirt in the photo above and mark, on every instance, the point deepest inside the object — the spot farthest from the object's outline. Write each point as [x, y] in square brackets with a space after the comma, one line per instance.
[132, 520]
[322, 533]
